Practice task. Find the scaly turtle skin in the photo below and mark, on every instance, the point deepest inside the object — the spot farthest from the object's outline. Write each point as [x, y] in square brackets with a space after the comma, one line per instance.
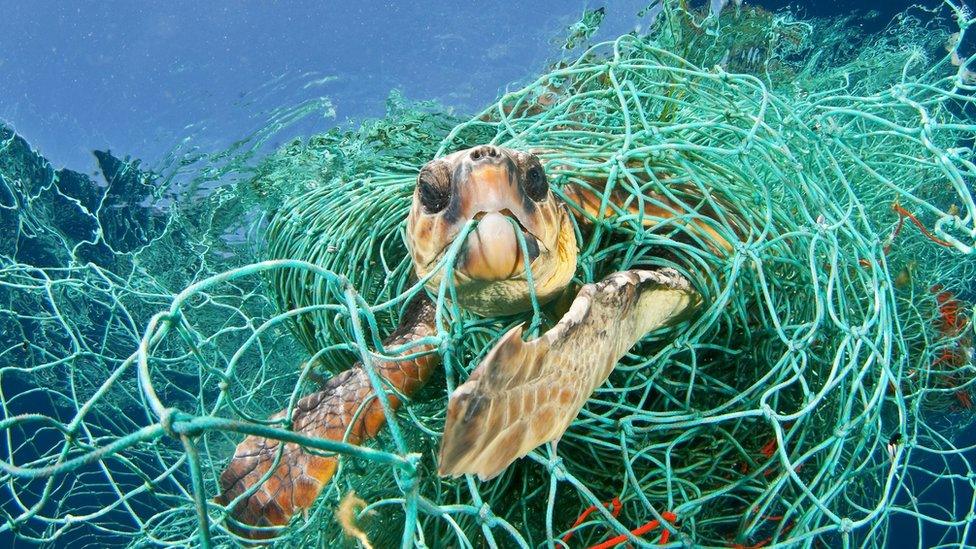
[523, 394]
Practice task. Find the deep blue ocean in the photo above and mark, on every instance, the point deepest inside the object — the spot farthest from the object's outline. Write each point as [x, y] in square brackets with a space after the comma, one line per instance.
[144, 79]
[137, 77]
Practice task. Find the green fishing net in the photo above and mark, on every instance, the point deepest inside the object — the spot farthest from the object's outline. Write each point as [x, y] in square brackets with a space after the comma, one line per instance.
[817, 398]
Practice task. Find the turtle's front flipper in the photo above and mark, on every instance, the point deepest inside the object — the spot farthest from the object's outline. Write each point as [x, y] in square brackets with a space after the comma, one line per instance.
[524, 394]
[330, 413]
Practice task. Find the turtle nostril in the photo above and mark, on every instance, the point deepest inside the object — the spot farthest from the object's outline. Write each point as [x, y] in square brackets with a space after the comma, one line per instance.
[486, 151]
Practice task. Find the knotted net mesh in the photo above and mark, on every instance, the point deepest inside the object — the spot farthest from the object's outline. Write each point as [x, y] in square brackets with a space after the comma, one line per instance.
[817, 397]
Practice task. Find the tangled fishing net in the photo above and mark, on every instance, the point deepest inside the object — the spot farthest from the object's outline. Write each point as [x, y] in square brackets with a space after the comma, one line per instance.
[817, 397]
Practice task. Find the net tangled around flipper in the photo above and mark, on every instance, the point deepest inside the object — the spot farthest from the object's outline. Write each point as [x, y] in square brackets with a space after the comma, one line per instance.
[814, 396]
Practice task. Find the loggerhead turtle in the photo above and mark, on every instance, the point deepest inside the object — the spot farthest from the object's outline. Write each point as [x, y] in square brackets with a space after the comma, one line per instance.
[523, 393]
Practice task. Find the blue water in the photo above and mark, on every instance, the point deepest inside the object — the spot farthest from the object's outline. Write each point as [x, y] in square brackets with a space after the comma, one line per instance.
[137, 78]
[132, 76]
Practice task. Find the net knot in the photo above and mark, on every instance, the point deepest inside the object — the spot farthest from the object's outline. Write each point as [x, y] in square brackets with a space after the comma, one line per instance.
[406, 474]
[682, 343]
[444, 346]
[556, 468]
[748, 250]
[412, 459]
[846, 525]
[168, 417]
[486, 516]
[626, 426]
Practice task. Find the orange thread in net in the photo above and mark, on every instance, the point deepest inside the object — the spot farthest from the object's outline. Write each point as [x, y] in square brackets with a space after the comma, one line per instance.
[905, 213]
[646, 527]
[614, 505]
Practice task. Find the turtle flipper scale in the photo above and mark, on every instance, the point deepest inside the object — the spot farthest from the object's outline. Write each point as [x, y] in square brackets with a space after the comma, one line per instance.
[524, 394]
[330, 413]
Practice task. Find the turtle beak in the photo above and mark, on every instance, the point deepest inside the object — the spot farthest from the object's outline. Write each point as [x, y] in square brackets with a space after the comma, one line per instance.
[492, 196]
[492, 250]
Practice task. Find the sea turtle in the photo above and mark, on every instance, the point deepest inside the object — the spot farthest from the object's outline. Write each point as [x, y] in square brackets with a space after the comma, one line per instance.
[524, 393]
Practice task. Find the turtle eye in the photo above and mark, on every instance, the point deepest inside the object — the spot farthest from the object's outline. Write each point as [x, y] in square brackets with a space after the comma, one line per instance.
[433, 197]
[536, 185]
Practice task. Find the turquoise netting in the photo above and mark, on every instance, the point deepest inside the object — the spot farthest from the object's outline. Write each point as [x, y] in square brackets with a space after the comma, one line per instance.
[818, 397]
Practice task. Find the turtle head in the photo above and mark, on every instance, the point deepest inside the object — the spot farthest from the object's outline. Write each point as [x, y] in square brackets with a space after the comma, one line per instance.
[507, 193]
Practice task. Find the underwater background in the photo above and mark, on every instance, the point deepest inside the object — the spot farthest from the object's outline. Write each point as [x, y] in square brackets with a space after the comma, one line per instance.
[76, 75]
[177, 123]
